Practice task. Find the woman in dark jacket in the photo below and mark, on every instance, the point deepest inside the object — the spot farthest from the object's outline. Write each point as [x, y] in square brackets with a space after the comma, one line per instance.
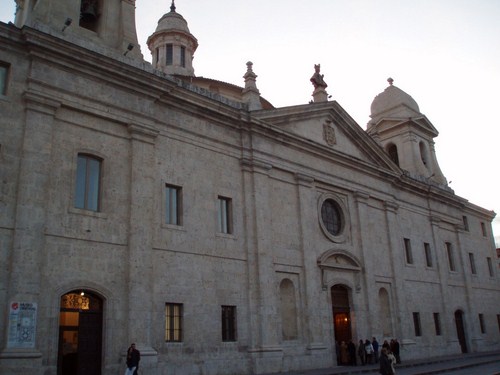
[133, 358]
[385, 363]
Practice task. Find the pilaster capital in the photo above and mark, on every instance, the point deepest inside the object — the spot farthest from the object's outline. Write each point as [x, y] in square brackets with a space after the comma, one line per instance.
[253, 165]
[143, 132]
[434, 220]
[391, 206]
[40, 103]
[304, 180]
[361, 196]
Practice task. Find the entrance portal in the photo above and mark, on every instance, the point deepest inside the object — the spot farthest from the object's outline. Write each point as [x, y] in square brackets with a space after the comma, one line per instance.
[341, 313]
[459, 322]
[80, 334]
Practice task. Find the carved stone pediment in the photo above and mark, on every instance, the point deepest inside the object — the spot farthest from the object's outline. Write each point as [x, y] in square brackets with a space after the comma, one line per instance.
[334, 261]
[339, 260]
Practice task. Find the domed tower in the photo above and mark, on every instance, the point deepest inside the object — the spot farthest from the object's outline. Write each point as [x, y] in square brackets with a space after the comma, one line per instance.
[172, 45]
[108, 24]
[405, 134]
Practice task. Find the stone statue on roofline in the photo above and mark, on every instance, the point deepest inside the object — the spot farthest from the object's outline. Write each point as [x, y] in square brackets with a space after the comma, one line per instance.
[319, 93]
[317, 78]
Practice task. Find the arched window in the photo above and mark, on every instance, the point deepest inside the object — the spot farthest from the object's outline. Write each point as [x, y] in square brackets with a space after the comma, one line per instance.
[89, 14]
[331, 215]
[288, 310]
[423, 153]
[392, 150]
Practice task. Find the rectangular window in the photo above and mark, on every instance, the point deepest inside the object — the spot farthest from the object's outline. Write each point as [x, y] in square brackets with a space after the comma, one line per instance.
[416, 324]
[228, 323]
[173, 322]
[498, 321]
[483, 229]
[437, 324]
[4, 75]
[490, 266]
[481, 323]
[472, 263]
[466, 223]
[170, 54]
[183, 57]
[409, 255]
[224, 215]
[173, 204]
[88, 180]
[157, 55]
[428, 255]
[451, 260]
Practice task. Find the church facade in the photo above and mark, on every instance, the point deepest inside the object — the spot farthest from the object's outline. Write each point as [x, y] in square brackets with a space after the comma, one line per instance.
[222, 235]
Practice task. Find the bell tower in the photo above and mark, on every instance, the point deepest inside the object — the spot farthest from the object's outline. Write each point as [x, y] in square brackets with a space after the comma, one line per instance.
[405, 134]
[172, 45]
[105, 23]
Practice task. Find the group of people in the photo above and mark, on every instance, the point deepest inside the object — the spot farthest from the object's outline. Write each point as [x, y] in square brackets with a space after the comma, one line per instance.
[368, 353]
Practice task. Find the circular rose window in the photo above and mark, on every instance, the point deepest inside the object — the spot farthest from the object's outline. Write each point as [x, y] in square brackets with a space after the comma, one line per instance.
[331, 216]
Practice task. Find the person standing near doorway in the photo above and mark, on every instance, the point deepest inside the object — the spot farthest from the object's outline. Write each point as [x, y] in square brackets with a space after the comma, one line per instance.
[375, 349]
[133, 358]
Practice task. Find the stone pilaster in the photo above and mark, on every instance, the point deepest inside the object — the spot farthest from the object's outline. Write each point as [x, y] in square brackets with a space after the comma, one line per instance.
[394, 239]
[266, 353]
[364, 327]
[311, 282]
[140, 274]
[465, 270]
[28, 245]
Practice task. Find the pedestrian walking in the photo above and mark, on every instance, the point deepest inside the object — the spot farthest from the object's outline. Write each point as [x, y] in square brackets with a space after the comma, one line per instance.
[375, 349]
[369, 351]
[385, 364]
[133, 358]
[362, 352]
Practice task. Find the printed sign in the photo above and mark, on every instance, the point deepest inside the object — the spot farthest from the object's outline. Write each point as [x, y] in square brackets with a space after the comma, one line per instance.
[22, 325]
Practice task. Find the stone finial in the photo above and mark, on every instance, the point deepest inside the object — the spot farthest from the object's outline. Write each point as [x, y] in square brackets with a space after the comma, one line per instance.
[172, 7]
[250, 77]
[390, 80]
[251, 94]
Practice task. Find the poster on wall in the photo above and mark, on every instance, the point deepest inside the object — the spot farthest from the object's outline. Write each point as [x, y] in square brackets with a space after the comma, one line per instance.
[22, 325]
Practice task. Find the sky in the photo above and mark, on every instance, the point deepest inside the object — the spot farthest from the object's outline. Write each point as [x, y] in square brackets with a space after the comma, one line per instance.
[444, 53]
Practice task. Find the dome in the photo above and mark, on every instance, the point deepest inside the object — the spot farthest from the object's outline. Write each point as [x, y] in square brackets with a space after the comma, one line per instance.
[172, 21]
[394, 102]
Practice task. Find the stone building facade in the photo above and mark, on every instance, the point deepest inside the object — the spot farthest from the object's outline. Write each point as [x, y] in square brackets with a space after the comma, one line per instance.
[141, 203]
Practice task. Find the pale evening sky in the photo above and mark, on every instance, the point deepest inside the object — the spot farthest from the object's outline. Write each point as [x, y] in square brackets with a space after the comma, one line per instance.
[444, 53]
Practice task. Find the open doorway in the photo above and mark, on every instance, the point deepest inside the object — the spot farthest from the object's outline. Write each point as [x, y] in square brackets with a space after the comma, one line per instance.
[80, 334]
[341, 313]
[459, 322]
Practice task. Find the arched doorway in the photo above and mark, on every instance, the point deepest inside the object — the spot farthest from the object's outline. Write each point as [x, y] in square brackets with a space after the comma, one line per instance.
[80, 334]
[341, 313]
[459, 322]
